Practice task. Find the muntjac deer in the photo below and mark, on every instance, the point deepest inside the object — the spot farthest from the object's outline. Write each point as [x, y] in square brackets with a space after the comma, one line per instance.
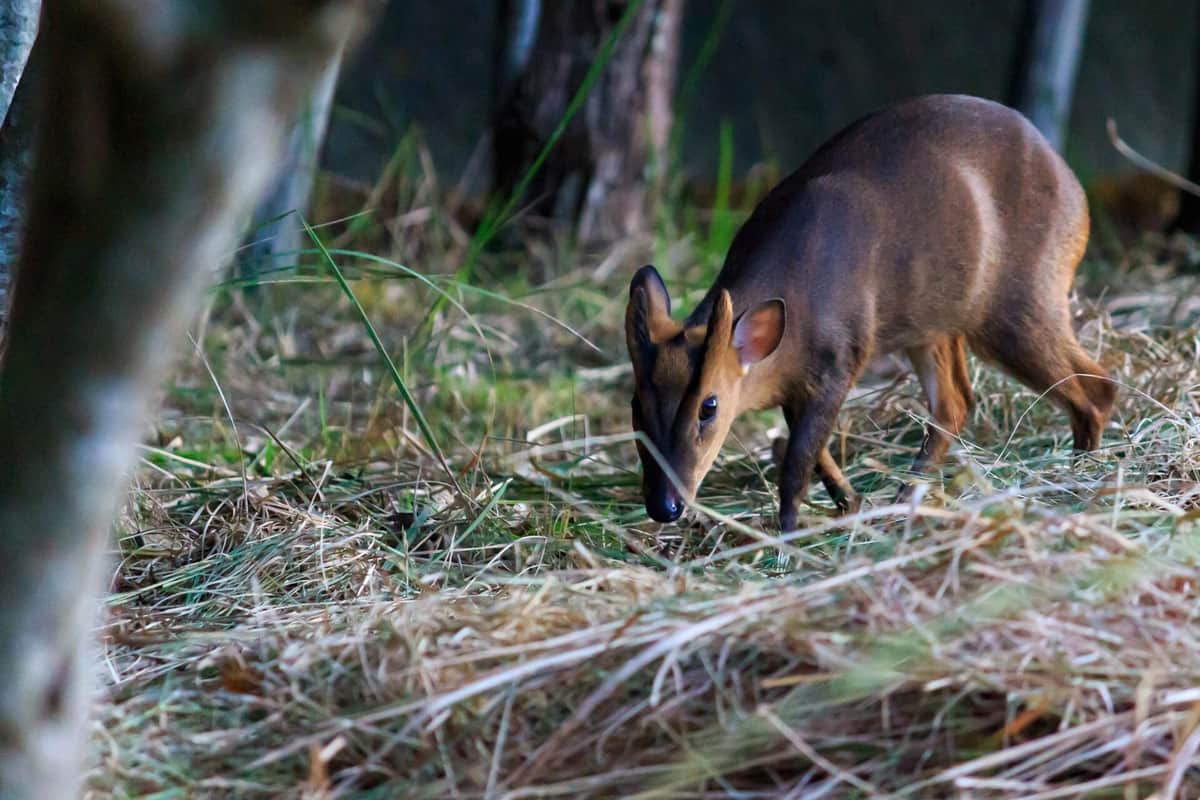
[936, 224]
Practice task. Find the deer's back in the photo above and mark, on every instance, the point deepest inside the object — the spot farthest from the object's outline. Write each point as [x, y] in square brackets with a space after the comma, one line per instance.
[924, 218]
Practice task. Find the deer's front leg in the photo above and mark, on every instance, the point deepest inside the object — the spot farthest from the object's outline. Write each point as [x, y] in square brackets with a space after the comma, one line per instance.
[839, 488]
[809, 425]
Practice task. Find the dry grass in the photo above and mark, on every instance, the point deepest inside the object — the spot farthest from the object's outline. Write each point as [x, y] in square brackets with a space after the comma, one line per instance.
[303, 605]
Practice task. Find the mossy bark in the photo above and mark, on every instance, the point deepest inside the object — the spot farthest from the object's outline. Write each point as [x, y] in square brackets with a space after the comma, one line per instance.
[602, 175]
[168, 119]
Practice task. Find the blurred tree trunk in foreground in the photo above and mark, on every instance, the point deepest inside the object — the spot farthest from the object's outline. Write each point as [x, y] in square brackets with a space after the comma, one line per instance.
[277, 232]
[168, 119]
[18, 29]
[606, 169]
[1051, 38]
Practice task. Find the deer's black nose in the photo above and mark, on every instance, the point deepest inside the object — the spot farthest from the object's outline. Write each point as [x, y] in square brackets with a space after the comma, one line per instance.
[664, 506]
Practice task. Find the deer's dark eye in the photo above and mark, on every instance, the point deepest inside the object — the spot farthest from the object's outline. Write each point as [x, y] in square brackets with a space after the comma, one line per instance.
[708, 408]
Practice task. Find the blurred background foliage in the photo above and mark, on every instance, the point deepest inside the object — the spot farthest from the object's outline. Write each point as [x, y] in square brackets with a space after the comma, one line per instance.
[786, 74]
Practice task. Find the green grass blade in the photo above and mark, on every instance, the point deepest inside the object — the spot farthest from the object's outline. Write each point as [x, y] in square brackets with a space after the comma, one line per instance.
[721, 227]
[410, 401]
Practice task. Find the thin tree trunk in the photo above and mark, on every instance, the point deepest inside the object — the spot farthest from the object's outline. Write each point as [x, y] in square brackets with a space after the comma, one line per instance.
[1044, 81]
[1188, 218]
[277, 232]
[18, 29]
[16, 160]
[169, 119]
[608, 166]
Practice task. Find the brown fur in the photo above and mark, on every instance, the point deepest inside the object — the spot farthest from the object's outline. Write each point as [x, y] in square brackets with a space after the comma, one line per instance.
[938, 223]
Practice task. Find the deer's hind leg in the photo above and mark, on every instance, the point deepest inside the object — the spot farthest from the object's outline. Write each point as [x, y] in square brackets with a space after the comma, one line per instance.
[941, 367]
[1050, 360]
[840, 491]
[962, 375]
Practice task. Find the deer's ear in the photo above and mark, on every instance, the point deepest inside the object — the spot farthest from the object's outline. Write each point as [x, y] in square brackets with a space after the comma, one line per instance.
[656, 300]
[758, 332]
[648, 315]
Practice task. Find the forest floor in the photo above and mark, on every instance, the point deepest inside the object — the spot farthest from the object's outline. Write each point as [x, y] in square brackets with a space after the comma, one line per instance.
[306, 601]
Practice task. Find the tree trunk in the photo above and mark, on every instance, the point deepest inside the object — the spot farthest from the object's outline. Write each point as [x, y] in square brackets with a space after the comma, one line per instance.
[168, 120]
[604, 172]
[18, 29]
[1188, 218]
[277, 233]
[1048, 61]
